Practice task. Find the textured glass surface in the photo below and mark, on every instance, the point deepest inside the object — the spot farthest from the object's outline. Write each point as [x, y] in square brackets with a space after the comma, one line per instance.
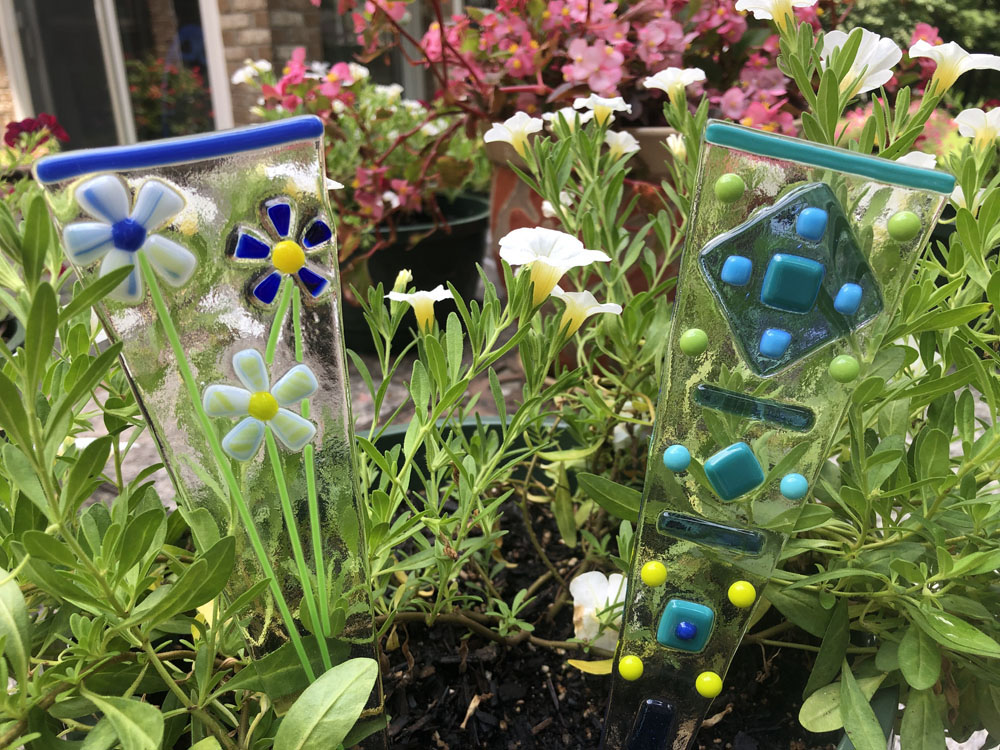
[246, 397]
[728, 394]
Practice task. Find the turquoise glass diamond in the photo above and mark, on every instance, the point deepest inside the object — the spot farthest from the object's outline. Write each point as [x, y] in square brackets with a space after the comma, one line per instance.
[792, 283]
[734, 471]
[685, 625]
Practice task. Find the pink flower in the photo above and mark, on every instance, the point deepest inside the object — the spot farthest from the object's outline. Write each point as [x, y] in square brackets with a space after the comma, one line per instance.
[522, 57]
[732, 104]
[598, 65]
[769, 117]
[339, 76]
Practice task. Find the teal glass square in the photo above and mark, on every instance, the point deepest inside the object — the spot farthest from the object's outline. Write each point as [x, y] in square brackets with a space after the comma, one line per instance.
[792, 283]
[681, 611]
[734, 471]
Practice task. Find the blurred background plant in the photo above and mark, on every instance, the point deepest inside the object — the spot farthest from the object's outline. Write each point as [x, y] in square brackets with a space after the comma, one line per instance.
[167, 99]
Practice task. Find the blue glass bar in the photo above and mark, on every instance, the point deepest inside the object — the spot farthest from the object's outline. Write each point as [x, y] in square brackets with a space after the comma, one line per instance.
[798, 418]
[700, 531]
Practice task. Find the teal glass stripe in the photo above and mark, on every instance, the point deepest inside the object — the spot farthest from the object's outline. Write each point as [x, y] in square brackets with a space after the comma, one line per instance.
[827, 157]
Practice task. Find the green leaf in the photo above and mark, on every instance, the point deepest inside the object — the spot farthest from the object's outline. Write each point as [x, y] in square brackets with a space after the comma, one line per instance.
[954, 633]
[79, 485]
[139, 725]
[101, 737]
[238, 604]
[801, 607]
[562, 508]
[280, 673]
[139, 537]
[831, 651]
[209, 743]
[921, 728]
[860, 723]
[40, 336]
[94, 292]
[26, 480]
[919, 658]
[94, 374]
[35, 243]
[620, 501]
[324, 714]
[41, 545]
[821, 711]
[13, 418]
[14, 626]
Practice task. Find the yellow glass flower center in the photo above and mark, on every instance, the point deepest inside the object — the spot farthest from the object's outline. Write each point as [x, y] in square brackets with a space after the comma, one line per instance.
[263, 406]
[288, 257]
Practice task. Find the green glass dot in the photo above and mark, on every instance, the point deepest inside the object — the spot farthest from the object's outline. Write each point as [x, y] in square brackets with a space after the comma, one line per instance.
[694, 341]
[844, 368]
[904, 226]
[729, 188]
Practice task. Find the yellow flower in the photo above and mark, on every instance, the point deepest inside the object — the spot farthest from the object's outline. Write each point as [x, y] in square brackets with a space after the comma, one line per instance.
[952, 61]
[548, 253]
[675, 81]
[515, 131]
[423, 304]
[579, 307]
[780, 11]
[982, 127]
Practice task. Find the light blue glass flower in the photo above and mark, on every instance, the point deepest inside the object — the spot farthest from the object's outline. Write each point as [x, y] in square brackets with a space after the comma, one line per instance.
[123, 230]
[262, 406]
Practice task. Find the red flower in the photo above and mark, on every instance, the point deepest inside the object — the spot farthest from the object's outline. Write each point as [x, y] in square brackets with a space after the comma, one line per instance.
[44, 121]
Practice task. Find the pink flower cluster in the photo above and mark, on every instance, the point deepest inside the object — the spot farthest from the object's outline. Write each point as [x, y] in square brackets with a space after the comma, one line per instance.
[376, 194]
[290, 92]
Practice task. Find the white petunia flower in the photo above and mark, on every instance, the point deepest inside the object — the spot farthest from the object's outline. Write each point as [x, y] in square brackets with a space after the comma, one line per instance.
[579, 307]
[422, 304]
[674, 81]
[515, 131]
[958, 198]
[620, 144]
[918, 159]
[778, 11]
[262, 406]
[952, 61]
[872, 66]
[594, 592]
[391, 199]
[569, 116]
[677, 147]
[250, 71]
[120, 233]
[434, 128]
[358, 72]
[549, 211]
[548, 253]
[392, 92]
[982, 127]
[602, 107]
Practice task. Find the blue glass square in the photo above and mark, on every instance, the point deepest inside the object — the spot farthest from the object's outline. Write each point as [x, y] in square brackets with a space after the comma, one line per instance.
[685, 625]
[774, 342]
[848, 299]
[736, 270]
[810, 224]
[792, 283]
[734, 471]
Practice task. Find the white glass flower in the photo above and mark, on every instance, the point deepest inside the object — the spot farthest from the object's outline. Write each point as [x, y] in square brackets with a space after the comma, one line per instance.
[262, 406]
[778, 11]
[674, 81]
[620, 144]
[982, 127]
[579, 307]
[515, 131]
[952, 61]
[872, 66]
[569, 116]
[423, 304]
[123, 230]
[602, 107]
[677, 147]
[594, 592]
[918, 159]
[549, 253]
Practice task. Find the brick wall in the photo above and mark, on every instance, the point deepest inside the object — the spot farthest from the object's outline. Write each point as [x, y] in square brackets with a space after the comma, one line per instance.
[6, 96]
[265, 29]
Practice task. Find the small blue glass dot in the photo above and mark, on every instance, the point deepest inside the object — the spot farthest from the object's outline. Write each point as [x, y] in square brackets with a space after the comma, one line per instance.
[811, 223]
[128, 235]
[774, 342]
[794, 486]
[736, 270]
[677, 458]
[686, 630]
[848, 299]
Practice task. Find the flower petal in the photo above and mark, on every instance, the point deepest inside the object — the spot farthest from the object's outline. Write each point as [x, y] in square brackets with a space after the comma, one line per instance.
[156, 204]
[267, 289]
[87, 241]
[279, 214]
[243, 441]
[226, 401]
[104, 197]
[295, 385]
[590, 590]
[251, 370]
[317, 233]
[249, 247]
[173, 262]
[312, 281]
[292, 430]
[130, 290]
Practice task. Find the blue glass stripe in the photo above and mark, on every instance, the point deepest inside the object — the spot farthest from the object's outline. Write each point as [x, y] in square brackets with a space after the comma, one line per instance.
[317, 233]
[701, 531]
[178, 150]
[280, 214]
[267, 289]
[827, 157]
[314, 283]
[249, 247]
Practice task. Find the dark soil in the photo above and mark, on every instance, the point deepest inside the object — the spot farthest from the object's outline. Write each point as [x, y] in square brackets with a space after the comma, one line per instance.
[451, 689]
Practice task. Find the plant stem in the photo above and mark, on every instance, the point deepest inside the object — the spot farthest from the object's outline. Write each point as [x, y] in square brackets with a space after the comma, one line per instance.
[222, 461]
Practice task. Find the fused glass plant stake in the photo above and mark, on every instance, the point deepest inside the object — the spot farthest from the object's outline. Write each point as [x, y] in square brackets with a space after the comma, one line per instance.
[231, 340]
[795, 260]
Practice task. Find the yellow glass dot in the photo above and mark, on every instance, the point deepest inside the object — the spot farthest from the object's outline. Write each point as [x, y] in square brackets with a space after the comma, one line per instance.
[630, 667]
[263, 406]
[708, 684]
[742, 594]
[653, 573]
[287, 256]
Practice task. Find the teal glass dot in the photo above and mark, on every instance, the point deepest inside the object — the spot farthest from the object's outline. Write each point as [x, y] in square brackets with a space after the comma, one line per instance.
[904, 226]
[794, 486]
[729, 188]
[677, 458]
